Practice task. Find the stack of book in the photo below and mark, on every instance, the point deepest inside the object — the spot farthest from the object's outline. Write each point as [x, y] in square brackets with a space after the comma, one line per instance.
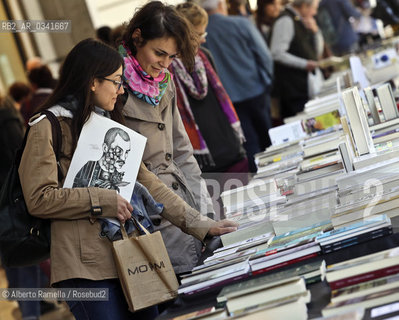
[322, 144]
[208, 278]
[304, 210]
[317, 107]
[374, 202]
[368, 191]
[365, 230]
[318, 167]
[278, 256]
[253, 256]
[258, 194]
[363, 282]
[247, 230]
[274, 154]
[282, 299]
[312, 272]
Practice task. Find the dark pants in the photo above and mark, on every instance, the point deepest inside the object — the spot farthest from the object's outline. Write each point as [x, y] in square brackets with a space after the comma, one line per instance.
[255, 121]
[26, 277]
[115, 308]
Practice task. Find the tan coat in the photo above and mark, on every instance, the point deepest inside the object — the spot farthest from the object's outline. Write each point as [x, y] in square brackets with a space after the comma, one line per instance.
[169, 155]
[77, 249]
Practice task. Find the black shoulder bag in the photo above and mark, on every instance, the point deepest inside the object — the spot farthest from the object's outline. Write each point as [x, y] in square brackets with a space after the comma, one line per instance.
[24, 239]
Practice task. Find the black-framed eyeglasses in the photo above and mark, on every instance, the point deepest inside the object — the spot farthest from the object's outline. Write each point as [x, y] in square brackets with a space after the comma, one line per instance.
[118, 84]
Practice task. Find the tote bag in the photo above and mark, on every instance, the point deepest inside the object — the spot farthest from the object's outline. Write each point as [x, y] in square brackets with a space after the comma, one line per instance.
[144, 268]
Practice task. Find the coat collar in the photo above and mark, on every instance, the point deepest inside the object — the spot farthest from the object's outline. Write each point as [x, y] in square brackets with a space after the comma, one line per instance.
[138, 109]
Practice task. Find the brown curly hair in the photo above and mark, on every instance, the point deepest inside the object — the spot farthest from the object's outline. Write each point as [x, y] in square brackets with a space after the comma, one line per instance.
[157, 20]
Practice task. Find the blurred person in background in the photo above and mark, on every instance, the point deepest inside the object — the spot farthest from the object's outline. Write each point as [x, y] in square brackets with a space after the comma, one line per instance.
[266, 13]
[12, 131]
[104, 34]
[11, 134]
[116, 34]
[43, 83]
[387, 11]
[336, 18]
[33, 63]
[239, 8]
[296, 43]
[20, 92]
[245, 68]
[207, 112]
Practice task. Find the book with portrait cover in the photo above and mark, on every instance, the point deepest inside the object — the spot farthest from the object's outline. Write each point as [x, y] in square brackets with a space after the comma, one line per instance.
[108, 155]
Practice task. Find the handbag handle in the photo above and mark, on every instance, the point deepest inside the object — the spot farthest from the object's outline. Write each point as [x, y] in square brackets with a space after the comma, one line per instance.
[138, 226]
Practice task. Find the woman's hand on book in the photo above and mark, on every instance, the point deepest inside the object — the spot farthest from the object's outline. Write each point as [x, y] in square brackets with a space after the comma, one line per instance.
[125, 209]
[223, 226]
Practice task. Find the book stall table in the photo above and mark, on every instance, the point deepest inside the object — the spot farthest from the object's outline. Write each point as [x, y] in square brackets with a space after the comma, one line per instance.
[320, 291]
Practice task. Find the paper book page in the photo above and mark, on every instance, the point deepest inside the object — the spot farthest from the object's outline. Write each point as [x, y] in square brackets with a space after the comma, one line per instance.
[108, 155]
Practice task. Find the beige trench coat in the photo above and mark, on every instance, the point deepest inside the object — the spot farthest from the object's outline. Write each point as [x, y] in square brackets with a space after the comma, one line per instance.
[77, 249]
[169, 155]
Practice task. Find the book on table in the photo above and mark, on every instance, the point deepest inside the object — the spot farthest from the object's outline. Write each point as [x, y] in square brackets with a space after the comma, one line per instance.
[291, 308]
[367, 301]
[281, 291]
[369, 267]
[312, 272]
[365, 288]
[215, 278]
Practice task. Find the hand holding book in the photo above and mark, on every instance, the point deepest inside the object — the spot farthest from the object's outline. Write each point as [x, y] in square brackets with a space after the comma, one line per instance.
[125, 209]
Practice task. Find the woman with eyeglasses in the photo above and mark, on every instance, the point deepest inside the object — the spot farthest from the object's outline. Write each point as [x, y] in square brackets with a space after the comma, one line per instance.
[205, 107]
[90, 81]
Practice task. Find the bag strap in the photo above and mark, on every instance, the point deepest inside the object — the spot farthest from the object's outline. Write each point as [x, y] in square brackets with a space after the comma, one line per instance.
[137, 224]
[56, 131]
[57, 141]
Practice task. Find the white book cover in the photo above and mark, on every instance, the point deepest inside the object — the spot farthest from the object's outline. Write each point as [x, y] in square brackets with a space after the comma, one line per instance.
[108, 155]
[287, 133]
[387, 101]
[358, 121]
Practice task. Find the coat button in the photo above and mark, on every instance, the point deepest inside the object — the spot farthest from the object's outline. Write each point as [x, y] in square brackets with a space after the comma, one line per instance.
[168, 156]
[175, 185]
[161, 126]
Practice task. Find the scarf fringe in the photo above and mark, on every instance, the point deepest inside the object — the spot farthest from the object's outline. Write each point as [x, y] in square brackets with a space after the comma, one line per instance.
[238, 129]
[204, 159]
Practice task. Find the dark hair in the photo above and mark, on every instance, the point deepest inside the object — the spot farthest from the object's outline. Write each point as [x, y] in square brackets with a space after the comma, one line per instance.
[42, 77]
[19, 91]
[104, 34]
[261, 18]
[233, 7]
[157, 20]
[117, 34]
[111, 134]
[88, 60]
